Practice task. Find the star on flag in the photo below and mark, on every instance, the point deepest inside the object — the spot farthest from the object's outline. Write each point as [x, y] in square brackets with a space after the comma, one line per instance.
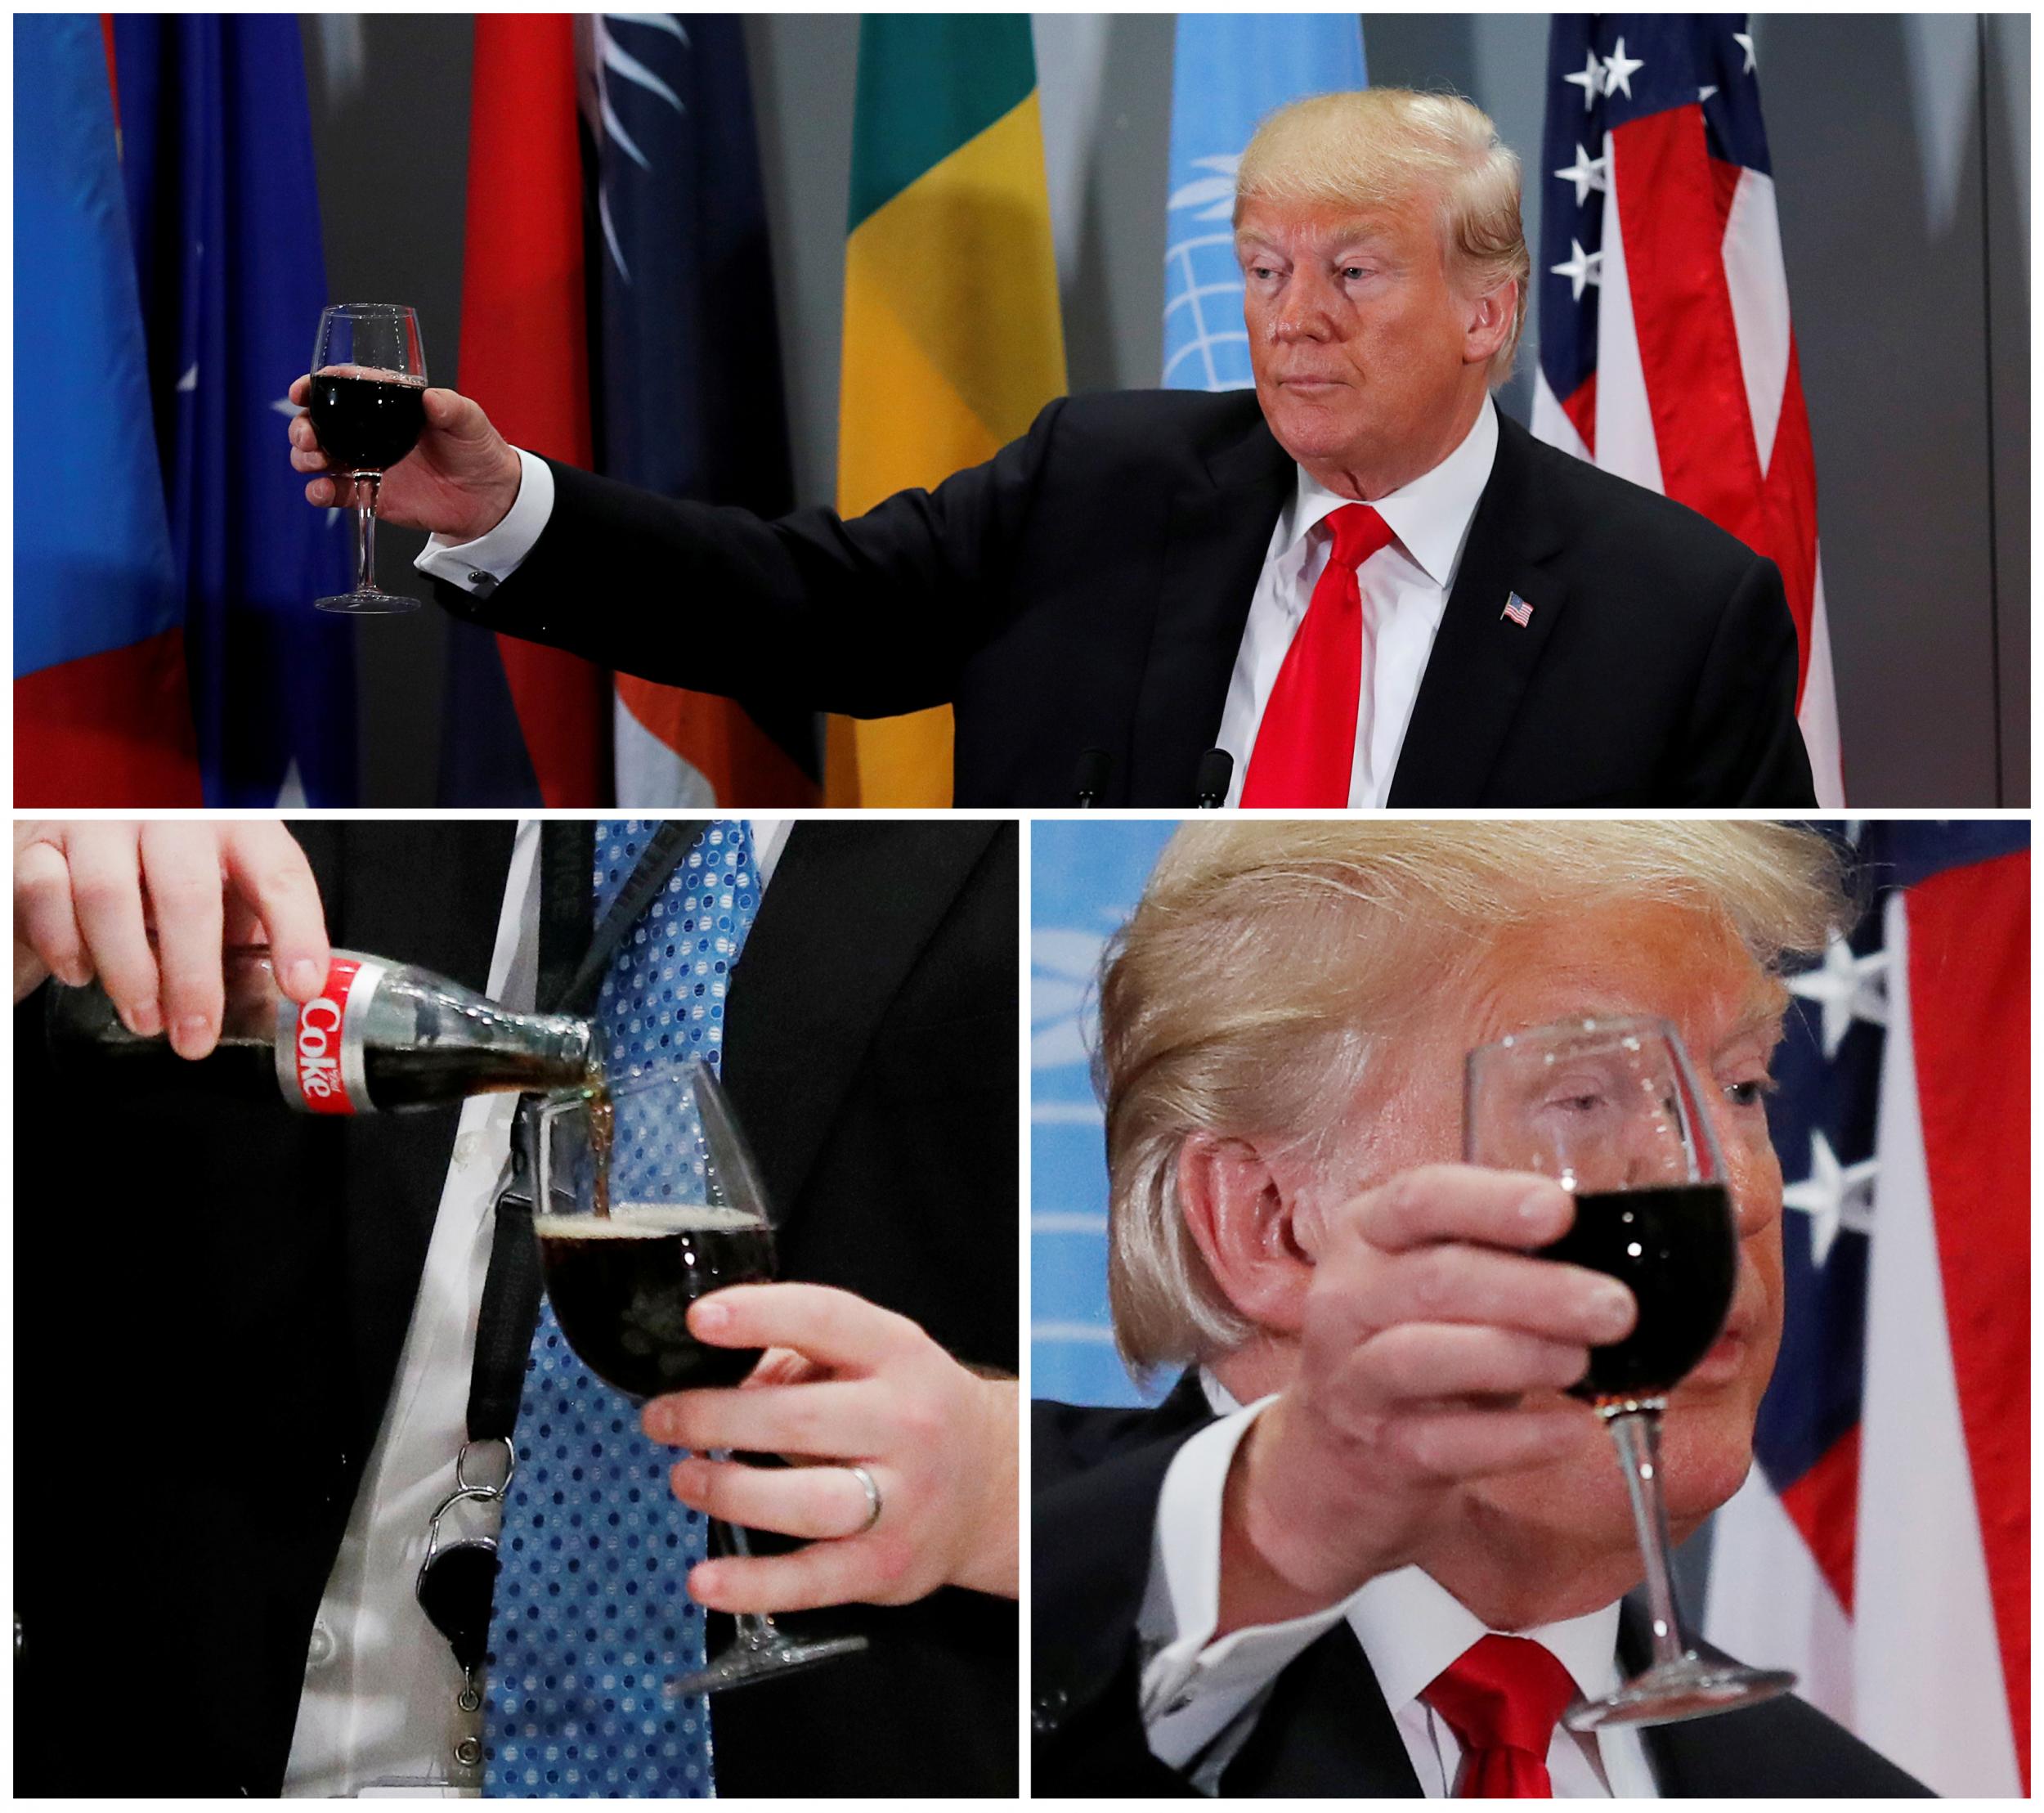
[1837, 1198]
[1586, 173]
[1847, 987]
[1581, 268]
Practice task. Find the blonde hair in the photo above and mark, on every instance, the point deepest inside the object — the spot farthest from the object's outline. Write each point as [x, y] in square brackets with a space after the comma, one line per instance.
[1269, 963]
[1372, 148]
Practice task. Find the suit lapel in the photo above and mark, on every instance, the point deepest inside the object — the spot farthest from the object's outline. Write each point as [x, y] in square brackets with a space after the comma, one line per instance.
[849, 909]
[1326, 1731]
[1217, 535]
[1482, 659]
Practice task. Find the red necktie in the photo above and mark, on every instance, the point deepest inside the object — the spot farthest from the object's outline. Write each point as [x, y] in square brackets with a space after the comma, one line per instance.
[1503, 1696]
[1305, 745]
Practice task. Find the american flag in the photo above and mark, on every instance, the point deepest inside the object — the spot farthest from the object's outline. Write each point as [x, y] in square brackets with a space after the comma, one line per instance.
[1666, 354]
[1518, 610]
[1880, 1546]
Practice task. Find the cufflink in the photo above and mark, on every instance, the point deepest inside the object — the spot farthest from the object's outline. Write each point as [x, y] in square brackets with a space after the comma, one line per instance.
[481, 584]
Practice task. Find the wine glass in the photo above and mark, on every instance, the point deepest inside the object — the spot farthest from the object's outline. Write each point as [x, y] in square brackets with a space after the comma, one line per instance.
[1610, 1110]
[648, 1198]
[368, 408]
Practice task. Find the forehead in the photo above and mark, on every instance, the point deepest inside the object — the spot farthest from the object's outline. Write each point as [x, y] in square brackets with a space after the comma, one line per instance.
[1324, 226]
[1683, 963]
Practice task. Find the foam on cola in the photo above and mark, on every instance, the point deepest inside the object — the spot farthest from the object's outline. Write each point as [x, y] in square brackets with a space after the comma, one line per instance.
[622, 1286]
[1672, 1247]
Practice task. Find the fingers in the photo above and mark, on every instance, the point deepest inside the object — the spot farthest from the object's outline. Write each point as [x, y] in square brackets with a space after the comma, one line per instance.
[815, 1503]
[301, 389]
[42, 916]
[1454, 1283]
[268, 870]
[833, 1327]
[181, 870]
[1453, 1445]
[865, 1568]
[833, 1421]
[1423, 1360]
[1462, 1202]
[106, 893]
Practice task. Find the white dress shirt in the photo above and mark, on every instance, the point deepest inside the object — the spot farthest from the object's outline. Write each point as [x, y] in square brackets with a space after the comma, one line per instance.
[1201, 1698]
[1404, 590]
[377, 1714]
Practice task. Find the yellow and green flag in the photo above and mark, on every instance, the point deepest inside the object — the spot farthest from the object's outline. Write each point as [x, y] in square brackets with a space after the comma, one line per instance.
[952, 341]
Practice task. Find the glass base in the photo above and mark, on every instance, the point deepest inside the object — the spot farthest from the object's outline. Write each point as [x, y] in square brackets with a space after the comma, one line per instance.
[743, 1663]
[1670, 1692]
[369, 603]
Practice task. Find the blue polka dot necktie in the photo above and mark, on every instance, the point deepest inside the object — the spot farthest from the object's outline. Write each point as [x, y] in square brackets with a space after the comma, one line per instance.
[592, 1617]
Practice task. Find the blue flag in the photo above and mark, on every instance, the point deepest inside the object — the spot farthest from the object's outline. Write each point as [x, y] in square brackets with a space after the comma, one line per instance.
[217, 160]
[1231, 70]
[685, 357]
[100, 715]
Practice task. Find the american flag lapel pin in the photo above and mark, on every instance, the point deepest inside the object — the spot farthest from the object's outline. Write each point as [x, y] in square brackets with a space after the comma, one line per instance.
[1518, 609]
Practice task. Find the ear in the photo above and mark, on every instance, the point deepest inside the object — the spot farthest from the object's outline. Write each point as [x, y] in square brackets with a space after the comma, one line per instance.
[1240, 1218]
[1489, 322]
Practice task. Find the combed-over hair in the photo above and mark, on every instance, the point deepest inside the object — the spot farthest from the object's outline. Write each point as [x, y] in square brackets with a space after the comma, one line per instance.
[1371, 148]
[1268, 962]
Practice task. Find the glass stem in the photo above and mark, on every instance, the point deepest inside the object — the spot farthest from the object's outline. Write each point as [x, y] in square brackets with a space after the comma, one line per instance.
[1637, 1431]
[753, 1629]
[365, 529]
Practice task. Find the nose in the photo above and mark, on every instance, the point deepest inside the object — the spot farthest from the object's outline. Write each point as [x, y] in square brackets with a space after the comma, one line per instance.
[1302, 312]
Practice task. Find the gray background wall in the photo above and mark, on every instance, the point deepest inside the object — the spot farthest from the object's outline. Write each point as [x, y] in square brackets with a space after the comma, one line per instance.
[1901, 150]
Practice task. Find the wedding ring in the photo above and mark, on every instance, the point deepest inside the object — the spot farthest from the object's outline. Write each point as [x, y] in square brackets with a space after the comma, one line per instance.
[873, 1498]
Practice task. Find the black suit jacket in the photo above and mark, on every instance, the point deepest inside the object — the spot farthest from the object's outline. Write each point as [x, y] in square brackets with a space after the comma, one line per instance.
[195, 1403]
[1326, 1730]
[1087, 589]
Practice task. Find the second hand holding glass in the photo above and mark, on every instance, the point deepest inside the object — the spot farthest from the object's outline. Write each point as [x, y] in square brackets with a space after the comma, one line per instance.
[623, 1274]
[368, 403]
[1610, 1110]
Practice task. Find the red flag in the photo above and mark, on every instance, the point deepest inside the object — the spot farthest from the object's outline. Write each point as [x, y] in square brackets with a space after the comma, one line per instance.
[525, 346]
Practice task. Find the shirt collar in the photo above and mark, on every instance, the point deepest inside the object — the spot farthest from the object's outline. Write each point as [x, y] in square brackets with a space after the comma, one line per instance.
[1431, 515]
[1412, 1627]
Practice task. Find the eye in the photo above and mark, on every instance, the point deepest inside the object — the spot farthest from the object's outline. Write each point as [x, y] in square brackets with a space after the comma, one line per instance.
[1751, 1092]
[1352, 273]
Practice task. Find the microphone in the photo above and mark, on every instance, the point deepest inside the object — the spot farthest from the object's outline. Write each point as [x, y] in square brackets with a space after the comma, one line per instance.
[1089, 779]
[1210, 782]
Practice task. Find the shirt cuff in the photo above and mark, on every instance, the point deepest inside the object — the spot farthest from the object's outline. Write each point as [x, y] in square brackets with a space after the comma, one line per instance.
[480, 566]
[1194, 1688]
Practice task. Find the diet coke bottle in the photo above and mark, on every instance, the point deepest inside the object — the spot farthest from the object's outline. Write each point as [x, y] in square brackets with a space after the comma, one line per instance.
[379, 1036]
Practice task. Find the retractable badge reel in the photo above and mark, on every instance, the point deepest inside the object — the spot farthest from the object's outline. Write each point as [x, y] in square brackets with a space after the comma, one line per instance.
[458, 1580]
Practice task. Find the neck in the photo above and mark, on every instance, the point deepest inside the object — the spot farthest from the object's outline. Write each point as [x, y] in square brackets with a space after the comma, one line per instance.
[1366, 482]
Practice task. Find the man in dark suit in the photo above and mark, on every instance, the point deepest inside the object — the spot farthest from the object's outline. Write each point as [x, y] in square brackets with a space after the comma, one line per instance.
[1364, 585]
[213, 1389]
[1367, 1513]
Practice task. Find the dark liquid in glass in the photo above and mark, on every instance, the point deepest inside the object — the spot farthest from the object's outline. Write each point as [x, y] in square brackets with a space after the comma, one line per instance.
[621, 1287]
[1673, 1248]
[366, 425]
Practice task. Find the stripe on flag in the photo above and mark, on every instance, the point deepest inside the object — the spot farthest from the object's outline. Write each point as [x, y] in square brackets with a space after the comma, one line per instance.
[1666, 352]
[942, 368]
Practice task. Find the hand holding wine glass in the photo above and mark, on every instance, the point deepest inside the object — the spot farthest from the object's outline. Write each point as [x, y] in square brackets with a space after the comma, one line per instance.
[1611, 1111]
[458, 481]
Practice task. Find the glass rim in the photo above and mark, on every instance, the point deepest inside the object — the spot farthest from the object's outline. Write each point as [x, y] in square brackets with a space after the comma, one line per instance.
[370, 308]
[1588, 1026]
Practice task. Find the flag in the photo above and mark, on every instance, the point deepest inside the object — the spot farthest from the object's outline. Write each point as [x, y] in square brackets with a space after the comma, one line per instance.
[216, 160]
[1228, 71]
[1880, 1546]
[1666, 354]
[101, 711]
[524, 725]
[952, 338]
[686, 361]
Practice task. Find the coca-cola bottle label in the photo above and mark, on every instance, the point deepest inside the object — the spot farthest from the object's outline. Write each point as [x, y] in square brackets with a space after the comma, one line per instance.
[319, 1044]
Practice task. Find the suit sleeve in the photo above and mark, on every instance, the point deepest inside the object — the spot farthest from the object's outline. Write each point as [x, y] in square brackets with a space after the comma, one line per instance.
[868, 617]
[1741, 745]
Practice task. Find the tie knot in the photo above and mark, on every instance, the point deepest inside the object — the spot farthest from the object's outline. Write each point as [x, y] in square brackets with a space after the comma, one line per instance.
[1359, 533]
[1502, 1692]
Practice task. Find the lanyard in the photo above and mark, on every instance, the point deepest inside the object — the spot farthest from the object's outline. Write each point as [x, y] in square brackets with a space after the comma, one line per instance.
[457, 1581]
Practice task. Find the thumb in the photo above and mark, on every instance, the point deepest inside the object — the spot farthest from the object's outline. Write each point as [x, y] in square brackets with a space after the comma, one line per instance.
[447, 409]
